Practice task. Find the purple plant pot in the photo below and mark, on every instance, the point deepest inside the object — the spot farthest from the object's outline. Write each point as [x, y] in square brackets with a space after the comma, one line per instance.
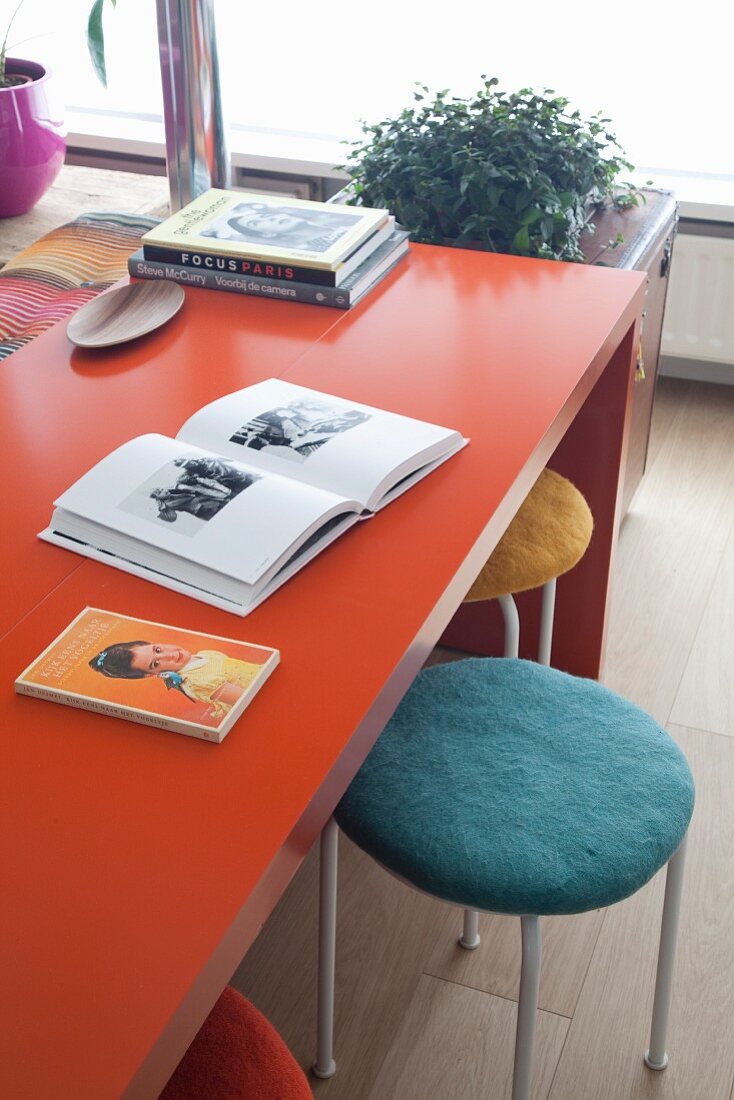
[32, 139]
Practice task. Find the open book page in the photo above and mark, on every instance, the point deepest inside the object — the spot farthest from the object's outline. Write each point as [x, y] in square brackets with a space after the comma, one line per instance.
[193, 508]
[353, 450]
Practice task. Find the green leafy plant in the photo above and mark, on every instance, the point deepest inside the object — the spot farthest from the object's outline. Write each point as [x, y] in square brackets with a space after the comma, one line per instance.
[516, 173]
[95, 39]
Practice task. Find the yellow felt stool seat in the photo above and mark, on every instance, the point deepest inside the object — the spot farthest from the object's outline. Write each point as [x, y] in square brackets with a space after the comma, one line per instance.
[547, 537]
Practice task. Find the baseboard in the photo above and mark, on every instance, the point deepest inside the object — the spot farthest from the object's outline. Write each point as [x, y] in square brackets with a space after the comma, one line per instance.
[698, 370]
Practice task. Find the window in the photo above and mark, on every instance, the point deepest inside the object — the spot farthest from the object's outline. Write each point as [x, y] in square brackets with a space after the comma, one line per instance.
[300, 69]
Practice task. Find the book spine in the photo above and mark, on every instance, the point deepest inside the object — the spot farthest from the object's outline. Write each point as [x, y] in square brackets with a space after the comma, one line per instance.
[240, 284]
[114, 711]
[239, 265]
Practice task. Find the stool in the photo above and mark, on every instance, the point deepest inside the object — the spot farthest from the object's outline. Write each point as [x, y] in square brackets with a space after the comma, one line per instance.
[62, 270]
[237, 1055]
[547, 537]
[542, 793]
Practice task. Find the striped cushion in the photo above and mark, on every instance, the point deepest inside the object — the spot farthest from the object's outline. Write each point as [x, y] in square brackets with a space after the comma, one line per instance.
[51, 278]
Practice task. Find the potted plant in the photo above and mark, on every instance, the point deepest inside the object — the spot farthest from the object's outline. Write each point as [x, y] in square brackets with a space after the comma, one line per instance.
[516, 173]
[32, 134]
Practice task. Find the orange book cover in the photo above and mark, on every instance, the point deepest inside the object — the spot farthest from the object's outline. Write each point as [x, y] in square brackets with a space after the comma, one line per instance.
[164, 676]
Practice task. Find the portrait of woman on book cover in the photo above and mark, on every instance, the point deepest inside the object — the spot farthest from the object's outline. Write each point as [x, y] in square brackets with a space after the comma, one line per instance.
[288, 227]
[208, 676]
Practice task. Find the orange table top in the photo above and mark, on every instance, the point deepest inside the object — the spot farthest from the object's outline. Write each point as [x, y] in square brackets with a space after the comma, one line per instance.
[137, 864]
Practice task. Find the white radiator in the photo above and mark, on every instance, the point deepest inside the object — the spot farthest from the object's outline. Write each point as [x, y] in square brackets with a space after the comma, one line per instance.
[699, 313]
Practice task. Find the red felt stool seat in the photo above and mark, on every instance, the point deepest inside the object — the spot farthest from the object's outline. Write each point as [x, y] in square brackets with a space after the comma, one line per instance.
[237, 1055]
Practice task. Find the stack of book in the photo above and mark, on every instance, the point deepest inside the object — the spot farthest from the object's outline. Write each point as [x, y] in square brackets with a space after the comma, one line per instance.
[273, 247]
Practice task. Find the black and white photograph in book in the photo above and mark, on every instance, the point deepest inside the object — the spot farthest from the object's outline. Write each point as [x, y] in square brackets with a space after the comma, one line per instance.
[286, 226]
[188, 492]
[296, 430]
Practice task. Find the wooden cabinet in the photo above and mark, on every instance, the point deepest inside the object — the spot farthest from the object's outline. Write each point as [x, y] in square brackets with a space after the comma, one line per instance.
[648, 231]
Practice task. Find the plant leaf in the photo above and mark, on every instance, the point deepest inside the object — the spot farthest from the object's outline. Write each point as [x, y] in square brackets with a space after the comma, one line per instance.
[95, 41]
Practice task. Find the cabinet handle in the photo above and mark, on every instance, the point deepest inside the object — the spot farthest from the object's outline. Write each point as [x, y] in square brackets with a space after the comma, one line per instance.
[665, 260]
[640, 366]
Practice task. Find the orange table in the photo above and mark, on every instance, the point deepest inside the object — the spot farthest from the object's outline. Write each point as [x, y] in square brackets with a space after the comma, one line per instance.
[137, 865]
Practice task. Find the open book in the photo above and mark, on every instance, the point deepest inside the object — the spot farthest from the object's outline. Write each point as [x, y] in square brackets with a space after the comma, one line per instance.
[253, 486]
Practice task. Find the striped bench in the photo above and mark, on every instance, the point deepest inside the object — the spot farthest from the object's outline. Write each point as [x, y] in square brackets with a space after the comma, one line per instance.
[53, 277]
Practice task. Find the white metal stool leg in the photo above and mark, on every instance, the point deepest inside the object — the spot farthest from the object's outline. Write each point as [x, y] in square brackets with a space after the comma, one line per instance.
[527, 1009]
[655, 1056]
[547, 612]
[325, 1066]
[512, 625]
[469, 938]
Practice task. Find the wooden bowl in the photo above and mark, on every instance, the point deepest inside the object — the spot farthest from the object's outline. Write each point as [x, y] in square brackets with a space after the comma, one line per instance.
[124, 313]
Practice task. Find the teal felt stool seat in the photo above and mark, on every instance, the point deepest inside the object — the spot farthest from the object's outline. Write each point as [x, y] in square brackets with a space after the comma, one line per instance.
[506, 786]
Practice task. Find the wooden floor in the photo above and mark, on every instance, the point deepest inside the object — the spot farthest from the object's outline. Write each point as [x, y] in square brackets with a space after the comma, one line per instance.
[420, 1019]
